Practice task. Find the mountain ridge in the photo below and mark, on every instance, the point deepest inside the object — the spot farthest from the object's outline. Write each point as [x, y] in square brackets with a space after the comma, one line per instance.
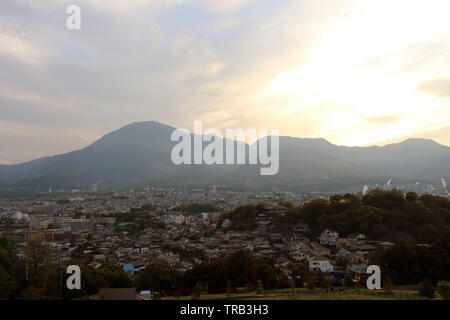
[139, 154]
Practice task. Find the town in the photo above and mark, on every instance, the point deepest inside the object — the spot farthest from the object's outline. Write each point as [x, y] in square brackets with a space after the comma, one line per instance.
[185, 228]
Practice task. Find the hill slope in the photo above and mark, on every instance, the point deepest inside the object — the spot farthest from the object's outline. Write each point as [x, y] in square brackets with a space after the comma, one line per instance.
[139, 155]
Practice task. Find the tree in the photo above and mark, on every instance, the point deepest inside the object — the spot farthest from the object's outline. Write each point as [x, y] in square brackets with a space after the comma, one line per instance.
[311, 285]
[112, 276]
[293, 287]
[325, 283]
[41, 271]
[348, 280]
[400, 263]
[6, 259]
[37, 258]
[6, 284]
[387, 199]
[314, 209]
[259, 287]
[228, 288]
[196, 292]
[7, 281]
[286, 204]
[426, 289]
[443, 288]
[411, 197]
[298, 272]
[33, 293]
[388, 286]
[157, 276]
[240, 268]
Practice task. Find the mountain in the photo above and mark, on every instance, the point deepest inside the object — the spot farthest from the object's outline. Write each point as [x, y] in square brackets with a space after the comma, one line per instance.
[135, 155]
[416, 159]
[138, 155]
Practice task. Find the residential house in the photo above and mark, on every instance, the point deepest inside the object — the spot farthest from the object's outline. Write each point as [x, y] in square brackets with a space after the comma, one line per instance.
[320, 263]
[329, 238]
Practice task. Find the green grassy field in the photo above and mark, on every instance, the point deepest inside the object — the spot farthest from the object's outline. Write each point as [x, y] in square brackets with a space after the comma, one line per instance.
[304, 294]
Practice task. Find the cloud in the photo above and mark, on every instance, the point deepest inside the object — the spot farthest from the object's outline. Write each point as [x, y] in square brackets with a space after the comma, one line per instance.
[121, 7]
[18, 47]
[2, 161]
[228, 6]
[26, 141]
[177, 61]
[439, 87]
[382, 120]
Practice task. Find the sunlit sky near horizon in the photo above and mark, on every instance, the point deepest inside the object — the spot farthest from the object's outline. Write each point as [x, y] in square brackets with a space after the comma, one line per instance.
[355, 72]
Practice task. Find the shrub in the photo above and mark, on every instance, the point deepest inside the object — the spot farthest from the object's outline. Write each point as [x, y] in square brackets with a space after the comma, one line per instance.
[388, 286]
[443, 288]
[426, 289]
[259, 287]
[196, 292]
[348, 280]
[311, 285]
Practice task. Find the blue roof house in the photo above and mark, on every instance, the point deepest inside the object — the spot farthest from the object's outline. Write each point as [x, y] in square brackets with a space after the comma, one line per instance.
[132, 268]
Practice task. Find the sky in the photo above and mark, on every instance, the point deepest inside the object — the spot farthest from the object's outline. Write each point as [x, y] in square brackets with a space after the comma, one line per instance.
[355, 72]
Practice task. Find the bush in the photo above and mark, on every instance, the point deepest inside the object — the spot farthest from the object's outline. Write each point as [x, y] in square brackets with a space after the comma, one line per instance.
[196, 292]
[293, 287]
[325, 283]
[426, 289]
[156, 296]
[259, 287]
[348, 281]
[229, 289]
[388, 286]
[443, 288]
[311, 285]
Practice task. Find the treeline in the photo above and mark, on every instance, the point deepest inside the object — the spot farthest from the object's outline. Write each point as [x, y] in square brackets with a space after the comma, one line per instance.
[381, 215]
[240, 269]
[36, 277]
[106, 276]
[40, 276]
[136, 221]
[7, 264]
[243, 217]
[46, 278]
[401, 264]
[406, 263]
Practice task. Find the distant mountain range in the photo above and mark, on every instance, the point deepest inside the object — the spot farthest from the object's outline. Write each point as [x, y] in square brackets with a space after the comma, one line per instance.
[138, 155]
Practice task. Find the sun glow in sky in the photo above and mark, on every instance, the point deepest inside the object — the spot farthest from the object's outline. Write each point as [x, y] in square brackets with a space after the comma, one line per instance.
[356, 72]
[367, 71]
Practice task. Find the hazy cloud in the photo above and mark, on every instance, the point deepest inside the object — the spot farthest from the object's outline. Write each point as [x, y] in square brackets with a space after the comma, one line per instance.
[382, 120]
[439, 87]
[307, 67]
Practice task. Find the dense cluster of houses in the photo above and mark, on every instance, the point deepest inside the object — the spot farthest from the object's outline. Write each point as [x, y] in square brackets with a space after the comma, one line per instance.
[84, 231]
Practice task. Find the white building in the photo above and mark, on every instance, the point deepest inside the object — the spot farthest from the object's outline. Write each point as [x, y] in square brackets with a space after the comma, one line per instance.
[328, 237]
[320, 263]
[210, 215]
[180, 219]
